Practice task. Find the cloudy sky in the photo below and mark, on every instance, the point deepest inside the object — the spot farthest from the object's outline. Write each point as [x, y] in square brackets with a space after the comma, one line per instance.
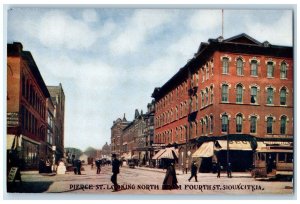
[110, 60]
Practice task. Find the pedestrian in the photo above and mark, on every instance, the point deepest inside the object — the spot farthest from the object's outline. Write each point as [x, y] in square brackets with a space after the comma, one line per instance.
[98, 165]
[115, 171]
[48, 166]
[186, 166]
[78, 166]
[219, 169]
[42, 166]
[194, 169]
[74, 161]
[170, 180]
[229, 170]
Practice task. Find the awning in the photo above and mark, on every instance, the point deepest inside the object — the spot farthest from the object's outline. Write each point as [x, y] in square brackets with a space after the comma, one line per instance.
[128, 156]
[160, 152]
[135, 156]
[205, 150]
[10, 142]
[170, 153]
[235, 145]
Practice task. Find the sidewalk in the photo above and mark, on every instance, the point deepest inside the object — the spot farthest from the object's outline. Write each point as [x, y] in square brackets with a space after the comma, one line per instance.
[179, 172]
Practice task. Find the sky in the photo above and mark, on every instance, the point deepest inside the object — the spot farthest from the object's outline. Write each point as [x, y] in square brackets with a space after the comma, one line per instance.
[109, 60]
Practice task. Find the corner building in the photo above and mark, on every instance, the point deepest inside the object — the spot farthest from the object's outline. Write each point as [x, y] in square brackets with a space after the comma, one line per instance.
[236, 89]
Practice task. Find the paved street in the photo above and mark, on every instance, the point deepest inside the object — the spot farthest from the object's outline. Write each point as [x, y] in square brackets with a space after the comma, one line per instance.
[148, 181]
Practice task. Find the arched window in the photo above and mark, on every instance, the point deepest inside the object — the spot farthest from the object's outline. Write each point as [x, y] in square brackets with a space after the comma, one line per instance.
[253, 124]
[239, 67]
[225, 63]
[269, 125]
[211, 95]
[202, 126]
[224, 123]
[196, 101]
[253, 94]
[239, 93]
[211, 124]
[283, 124]
[224, 93]
[270, 95]
[202, 99]
[253, 68]
[206, 125]
[206, 96]
[283, 96]
[239, 123]
[283, 71]
[270, 69]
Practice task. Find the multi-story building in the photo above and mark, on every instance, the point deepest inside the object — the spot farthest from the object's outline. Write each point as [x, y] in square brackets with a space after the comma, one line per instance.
[237, 87]
[49, 145]
[26, 107]
[149, 132]
[116, 132]
[58, 99]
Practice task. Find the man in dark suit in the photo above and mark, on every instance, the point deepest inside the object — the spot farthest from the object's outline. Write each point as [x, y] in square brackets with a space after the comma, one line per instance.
[194, 169]
[115, 171]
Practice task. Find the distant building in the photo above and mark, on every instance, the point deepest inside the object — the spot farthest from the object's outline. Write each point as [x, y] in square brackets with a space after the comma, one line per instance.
[26, 108]
[106, 152]
[116, 132]
[58, 99]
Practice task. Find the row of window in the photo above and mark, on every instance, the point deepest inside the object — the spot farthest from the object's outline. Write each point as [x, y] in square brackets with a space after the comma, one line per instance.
[253, 124]
[254, 63]
[206, 126]
[29, 123]
[254, 90]
[31, 95]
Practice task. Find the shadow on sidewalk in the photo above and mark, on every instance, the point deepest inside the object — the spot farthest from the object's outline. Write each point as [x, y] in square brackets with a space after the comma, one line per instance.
[28, 187]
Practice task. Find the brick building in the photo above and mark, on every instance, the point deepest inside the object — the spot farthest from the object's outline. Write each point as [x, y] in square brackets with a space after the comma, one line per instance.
[26, 107]
[58, 99]
[237, 87]
[116, 132]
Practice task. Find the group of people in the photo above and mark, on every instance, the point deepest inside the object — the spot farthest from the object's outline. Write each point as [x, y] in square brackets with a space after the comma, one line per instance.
[45, 166]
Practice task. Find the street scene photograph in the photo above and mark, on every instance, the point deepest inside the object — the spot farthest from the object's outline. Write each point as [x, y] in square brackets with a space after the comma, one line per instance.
[149, 101]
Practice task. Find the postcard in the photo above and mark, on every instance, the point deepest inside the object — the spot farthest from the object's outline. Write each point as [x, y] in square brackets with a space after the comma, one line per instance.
[149, 101]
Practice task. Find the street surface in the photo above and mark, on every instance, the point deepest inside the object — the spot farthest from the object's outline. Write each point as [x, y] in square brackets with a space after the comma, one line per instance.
[147, 181]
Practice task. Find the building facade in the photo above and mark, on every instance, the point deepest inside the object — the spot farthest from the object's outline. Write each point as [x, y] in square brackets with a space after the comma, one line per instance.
[238, 87]
[116, 135]
[26, 108]
[58, 99]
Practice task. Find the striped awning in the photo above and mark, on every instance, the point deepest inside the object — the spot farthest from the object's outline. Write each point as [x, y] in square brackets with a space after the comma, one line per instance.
[170, 153]
[160, 152]
[205, 150]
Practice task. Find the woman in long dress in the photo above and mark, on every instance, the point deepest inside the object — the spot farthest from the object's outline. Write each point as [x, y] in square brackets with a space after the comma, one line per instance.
[170, 181]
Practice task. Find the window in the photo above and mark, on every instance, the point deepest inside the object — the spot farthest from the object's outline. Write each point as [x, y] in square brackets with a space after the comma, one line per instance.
[283, 96]
[239, 67]
[239, 93]
[225, 63]
[211, 95]
[269, 125]
[270, 93]
[206, 124]
[202, 99]
[283, 125]
[253, 121]
[253, 94]
[283, 71]
[270, 69]
[211, 123]
[254, 68]
[239, 123]
[206, 96]
[224, 93]
[224, 123]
